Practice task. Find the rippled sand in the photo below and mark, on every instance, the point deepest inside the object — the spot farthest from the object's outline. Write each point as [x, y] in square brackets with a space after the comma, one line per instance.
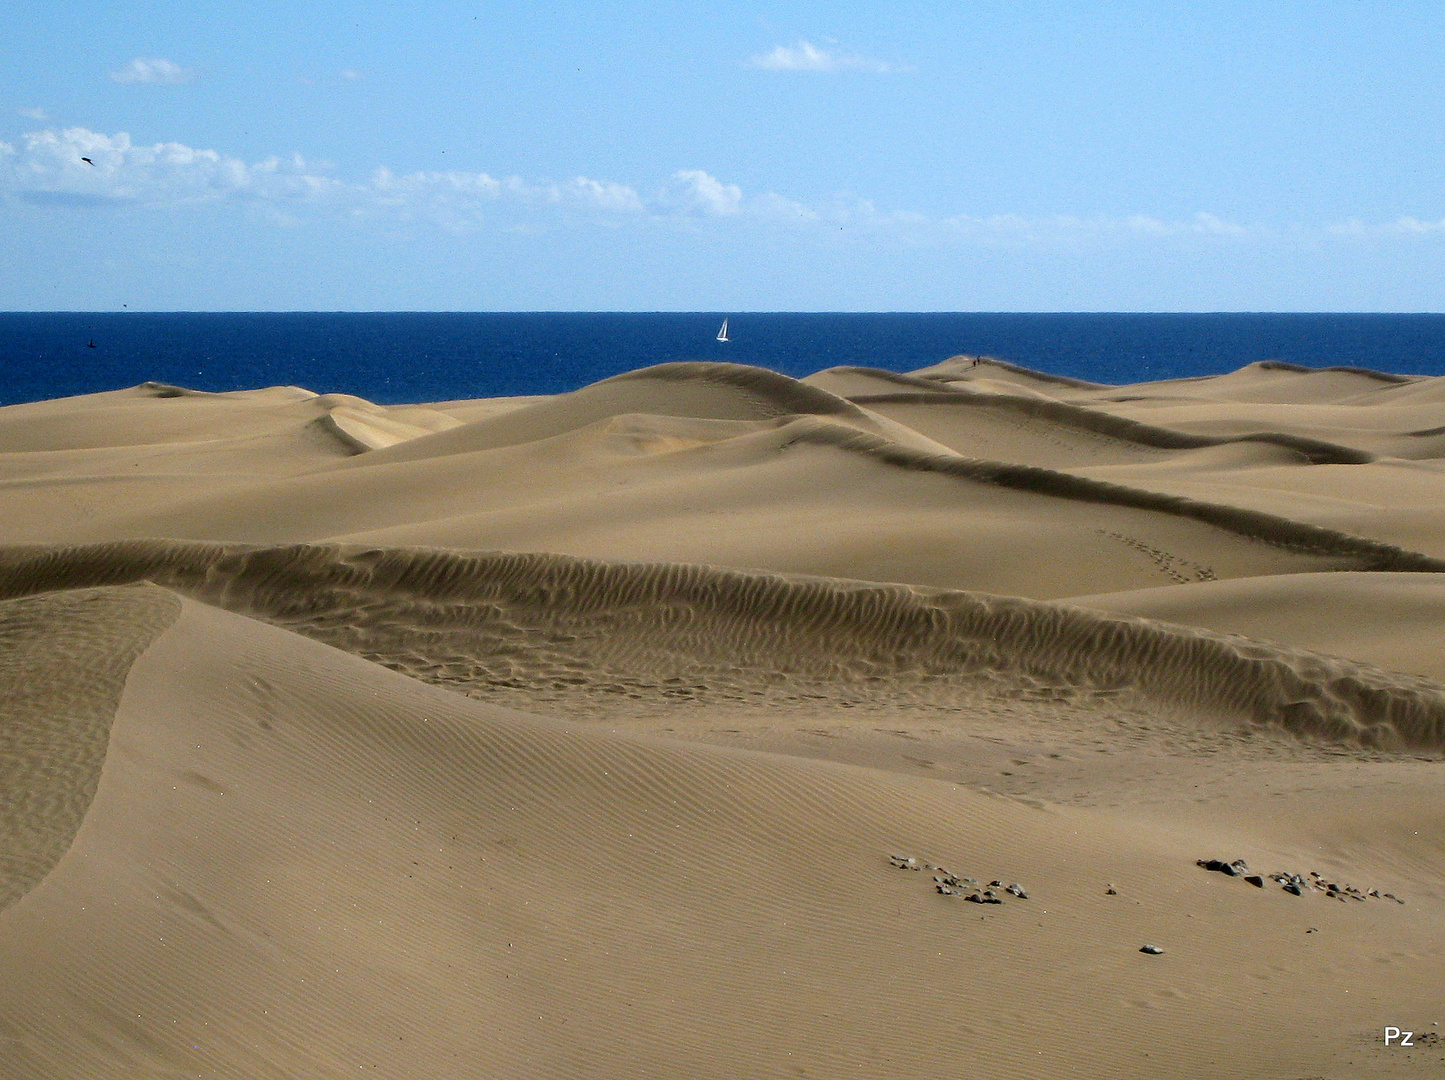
[573, 736]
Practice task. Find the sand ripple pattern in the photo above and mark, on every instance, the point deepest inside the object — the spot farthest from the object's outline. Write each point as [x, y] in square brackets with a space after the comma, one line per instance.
[63, 663]
[559, 629]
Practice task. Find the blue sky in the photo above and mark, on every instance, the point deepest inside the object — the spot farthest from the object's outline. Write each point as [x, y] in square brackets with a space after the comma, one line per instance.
[650, 156]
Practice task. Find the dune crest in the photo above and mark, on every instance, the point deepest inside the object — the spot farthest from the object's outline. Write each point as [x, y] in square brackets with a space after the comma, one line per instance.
[474, 620]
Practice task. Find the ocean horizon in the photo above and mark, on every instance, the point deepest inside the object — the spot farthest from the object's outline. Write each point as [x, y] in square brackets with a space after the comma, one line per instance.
[398, 357]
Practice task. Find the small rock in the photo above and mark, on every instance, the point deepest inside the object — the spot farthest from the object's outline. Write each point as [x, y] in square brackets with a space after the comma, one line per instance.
[995, 884]
[1111, 891]
[1017, 890]
[1255, 880]
[1232, 869]
[944, 890]
[1291, 887]
[1152, 950]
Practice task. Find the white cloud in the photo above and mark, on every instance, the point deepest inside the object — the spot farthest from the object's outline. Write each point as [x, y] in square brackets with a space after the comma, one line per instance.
[76, 166]
[1405, 226]
[805, 56]
[34, 114]
[692, 190]
[52, 166]
[154, 70]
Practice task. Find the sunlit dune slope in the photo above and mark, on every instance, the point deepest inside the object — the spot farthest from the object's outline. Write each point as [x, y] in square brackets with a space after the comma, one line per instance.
[298, 863]
[744, 482]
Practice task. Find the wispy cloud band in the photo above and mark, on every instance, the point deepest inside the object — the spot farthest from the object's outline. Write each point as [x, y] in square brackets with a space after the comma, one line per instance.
[77, 166]
[152, 70]
[805, 56]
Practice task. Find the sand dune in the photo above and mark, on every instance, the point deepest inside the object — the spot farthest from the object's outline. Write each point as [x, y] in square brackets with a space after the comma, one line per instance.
[297, 862]
[571, 736]
[464, 619]
[1394, 620]
[719, 471]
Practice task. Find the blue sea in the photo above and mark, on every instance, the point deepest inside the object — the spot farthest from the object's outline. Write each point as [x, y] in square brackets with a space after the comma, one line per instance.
[395, 357]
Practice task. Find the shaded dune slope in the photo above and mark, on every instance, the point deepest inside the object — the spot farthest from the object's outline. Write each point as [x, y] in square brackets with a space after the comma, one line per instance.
[1394, 620]
[496, 620]
[1259, 381]
[63, 662]
[299, 864]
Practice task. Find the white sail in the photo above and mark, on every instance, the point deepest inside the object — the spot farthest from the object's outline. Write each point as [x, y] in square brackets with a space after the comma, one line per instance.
[722, 334]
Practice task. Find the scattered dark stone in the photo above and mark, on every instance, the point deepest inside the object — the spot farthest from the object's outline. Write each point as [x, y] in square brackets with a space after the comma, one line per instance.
[944, 890]
[1237, 868]
[1291, 887]
[1152, 950]
[1111, 891]
[975, 898]
[1018, 890]
[1255, 880]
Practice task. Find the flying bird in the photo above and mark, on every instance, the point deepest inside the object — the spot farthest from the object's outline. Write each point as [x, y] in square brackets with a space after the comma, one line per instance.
[88, 161]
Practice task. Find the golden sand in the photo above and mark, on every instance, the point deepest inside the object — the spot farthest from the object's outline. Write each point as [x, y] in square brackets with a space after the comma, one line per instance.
[590, 736]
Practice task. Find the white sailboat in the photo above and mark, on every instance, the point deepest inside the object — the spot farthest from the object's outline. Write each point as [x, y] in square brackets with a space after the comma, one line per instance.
[722, 334]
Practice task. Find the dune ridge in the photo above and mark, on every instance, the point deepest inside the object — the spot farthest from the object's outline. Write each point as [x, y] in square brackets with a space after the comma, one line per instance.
[1371, 373]
[1253, 524]
[693, 388]
[947, 370]
[479, 620]
[1317, 451]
